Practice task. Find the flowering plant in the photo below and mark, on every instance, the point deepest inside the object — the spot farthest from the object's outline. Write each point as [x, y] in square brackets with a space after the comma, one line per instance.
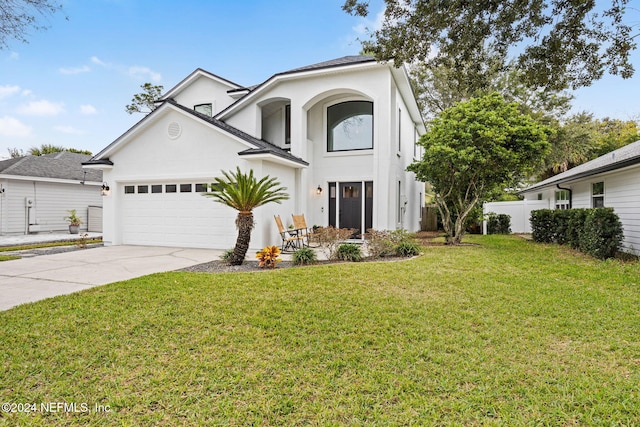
[268, 256]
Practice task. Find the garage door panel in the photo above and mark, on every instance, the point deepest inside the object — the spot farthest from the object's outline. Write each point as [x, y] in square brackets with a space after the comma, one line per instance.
[175, 219]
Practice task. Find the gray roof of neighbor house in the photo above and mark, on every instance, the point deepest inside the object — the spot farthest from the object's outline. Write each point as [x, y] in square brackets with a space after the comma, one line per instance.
[628, 155]
[63, 165]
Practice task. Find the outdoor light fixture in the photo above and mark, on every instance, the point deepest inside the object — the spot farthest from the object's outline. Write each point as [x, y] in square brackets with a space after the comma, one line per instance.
[319, 190]
[1, 189]
[105, 189]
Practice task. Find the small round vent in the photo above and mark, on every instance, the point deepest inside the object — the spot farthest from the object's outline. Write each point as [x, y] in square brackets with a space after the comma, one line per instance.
[174, 130]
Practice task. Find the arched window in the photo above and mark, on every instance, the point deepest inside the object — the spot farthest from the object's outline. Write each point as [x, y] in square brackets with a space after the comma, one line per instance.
[350, 126]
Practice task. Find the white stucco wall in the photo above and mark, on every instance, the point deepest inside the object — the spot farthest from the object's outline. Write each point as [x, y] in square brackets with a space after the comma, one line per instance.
[205, 90]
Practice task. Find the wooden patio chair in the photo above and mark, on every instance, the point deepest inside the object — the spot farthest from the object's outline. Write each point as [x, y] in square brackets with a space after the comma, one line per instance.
[300, 225]
[290, 241]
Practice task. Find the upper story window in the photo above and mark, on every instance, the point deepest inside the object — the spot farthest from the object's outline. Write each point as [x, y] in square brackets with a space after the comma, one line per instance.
[287, 124]
[350, 126]
[597, 194]
[205, 109]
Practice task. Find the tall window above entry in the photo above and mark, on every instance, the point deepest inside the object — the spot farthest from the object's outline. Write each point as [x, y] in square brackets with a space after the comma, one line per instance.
[350, 126]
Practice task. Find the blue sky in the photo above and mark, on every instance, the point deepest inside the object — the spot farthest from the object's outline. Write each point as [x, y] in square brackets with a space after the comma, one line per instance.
[69, 85]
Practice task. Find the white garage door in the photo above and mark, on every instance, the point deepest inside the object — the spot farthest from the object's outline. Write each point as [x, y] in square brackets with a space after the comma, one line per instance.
[175, 215]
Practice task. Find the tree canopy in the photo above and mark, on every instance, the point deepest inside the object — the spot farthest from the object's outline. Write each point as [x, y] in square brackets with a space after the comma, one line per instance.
[556, 43]
[144, 102]
[17, 16]
[474, 148]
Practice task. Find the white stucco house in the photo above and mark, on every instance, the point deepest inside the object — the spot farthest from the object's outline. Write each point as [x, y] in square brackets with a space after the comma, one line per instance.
[612, 180]
[338, 135]
[37, 191]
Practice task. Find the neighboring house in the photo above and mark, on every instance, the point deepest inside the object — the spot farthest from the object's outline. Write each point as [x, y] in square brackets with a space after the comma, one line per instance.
[338, 135]
[37, 191]
[612, 180]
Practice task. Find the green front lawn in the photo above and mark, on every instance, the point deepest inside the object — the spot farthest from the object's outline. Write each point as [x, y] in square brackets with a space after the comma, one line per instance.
[508, 332]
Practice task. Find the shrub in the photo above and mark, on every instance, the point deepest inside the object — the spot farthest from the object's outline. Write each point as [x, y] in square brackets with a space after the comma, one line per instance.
[379, 243]
[542, 226]
[602, 233]
[268, 256]
[407, 249]
[328, 238]
[575, 226]
[304, 256]
[349, 252]
[226, 255]
[498, 223]
[561, 228]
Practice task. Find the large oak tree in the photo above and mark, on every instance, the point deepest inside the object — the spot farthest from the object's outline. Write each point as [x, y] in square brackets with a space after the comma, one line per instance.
[555, 43]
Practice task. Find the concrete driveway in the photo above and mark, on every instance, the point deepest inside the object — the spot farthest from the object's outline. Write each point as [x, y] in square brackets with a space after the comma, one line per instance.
[32, 279]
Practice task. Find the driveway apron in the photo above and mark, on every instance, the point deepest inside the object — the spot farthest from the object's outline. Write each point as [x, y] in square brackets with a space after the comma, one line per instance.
[32, 279]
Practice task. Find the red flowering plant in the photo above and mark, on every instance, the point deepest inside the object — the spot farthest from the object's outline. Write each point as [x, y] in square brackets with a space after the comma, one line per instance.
[268, 256]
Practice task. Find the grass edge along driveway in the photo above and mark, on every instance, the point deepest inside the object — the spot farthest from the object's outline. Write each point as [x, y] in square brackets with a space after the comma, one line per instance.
[507, 332]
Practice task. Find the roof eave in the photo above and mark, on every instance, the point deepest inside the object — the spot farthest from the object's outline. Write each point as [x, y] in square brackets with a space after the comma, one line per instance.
[562, 180]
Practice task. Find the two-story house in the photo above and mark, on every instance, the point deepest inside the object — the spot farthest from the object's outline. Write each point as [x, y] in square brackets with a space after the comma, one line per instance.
[338, 134]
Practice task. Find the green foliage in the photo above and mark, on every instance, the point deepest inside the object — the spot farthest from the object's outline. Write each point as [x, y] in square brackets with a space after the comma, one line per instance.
[226, 255]
[244, 192]
[542, 226]
[144, 102]
[473, 149]
[17, 16]
[568, 44]
[407, 249]
[602, 234]
[304, 256]
[73, 218]
[349, 252]
[498, 223]
[46, 149]
[596, 232]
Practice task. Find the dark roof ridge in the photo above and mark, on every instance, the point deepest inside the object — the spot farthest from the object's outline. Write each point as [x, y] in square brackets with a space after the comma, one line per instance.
[259, 143]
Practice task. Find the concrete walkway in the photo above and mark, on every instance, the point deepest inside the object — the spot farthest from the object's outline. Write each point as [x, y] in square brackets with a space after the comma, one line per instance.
[32, 279]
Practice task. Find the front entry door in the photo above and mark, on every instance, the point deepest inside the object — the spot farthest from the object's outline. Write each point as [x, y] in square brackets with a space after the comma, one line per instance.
[350, 211]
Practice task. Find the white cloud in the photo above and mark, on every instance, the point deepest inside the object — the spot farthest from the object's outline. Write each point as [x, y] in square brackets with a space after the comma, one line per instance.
[14, 128]
[42, 108]
[27, 92]
[8, 90]
[68, 129]
[144, 72]
[76, 70]
[366, 26]
[97, 61]
[88, 109]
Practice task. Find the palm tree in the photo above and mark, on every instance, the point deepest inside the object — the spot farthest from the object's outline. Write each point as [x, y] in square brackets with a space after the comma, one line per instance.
[243, 192]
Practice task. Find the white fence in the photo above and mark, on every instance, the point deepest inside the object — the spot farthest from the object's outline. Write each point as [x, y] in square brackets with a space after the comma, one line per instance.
[519, 211]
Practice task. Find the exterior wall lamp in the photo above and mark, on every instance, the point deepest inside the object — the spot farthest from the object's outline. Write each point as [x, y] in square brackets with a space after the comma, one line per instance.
[105, 189]
[319, 190]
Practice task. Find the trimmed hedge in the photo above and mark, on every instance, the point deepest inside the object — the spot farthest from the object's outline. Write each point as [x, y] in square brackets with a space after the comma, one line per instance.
[498, 223]
[597, 232]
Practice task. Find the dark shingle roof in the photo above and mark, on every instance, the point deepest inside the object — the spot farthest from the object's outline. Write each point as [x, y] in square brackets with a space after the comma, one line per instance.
[261, 146]
[339, 62]
[622, 157]
[64, 165]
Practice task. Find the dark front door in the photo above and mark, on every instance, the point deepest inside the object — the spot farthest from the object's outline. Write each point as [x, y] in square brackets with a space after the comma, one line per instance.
[350, 210]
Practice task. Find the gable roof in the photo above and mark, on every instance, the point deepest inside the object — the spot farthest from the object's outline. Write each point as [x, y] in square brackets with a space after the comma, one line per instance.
[194, 75]
[257, 146]
[623, 157]
[63, 165]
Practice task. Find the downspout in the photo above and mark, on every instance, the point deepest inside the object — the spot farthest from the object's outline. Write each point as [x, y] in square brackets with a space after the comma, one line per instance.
[570, 194]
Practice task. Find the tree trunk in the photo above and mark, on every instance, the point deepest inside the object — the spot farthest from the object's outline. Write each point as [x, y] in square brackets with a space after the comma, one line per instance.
[244, 222]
